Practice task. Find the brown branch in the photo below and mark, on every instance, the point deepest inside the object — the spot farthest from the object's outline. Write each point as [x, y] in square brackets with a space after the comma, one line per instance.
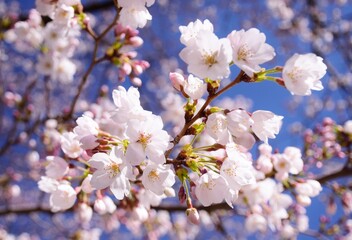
[210, 98]
[170, 208]
[92, 64]
[344, 172]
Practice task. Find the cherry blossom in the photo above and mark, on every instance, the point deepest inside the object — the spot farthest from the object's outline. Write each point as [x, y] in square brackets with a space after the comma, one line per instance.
[208, 57]
[302, 73]
[211, 188]
[134, 13]
[57, 167]
[250, 50]
[157, 178]
[110, 172]
[194, 87]
[190, 32]
[146, 139]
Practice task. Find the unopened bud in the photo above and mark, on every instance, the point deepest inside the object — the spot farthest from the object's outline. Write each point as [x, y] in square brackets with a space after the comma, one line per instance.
[136, 81]
[177, 80]
[136, 41]
[192, 215]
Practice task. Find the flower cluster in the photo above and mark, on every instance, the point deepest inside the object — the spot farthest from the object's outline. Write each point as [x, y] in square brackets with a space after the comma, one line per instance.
[134, 12]
[121, 149]
[113, 159]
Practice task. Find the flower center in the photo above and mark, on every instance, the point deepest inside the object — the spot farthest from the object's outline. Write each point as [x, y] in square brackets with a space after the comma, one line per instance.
[231, 171]
[153, 176]
[113, 170]
[295, 74]
[210, 59]
[144, 139]
[244, 52]
[209, 185]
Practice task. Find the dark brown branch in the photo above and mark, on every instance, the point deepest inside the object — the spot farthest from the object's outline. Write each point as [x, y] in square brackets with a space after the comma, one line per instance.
[170, 208]
[344, 172]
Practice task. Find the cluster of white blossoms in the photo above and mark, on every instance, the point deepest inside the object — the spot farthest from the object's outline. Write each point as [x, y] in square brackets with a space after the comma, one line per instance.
[124, 146]
[124, 151]
[57, 40]
[134, 12]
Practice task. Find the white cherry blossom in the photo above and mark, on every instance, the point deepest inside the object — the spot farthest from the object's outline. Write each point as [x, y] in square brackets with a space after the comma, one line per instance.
[62, 198]
[216, 127]
[110, 172]
[189, 33]
[128, 105]
[47, 184]
[157, 178]
[70, 145]
[57, 167]
[211, 188]
[146, 139]
[294, 155]
[194, 87]
[266, 124]
[302, 73]
[256, 222]
[250, 50]
[134, 13]
[208, 56]
[87, 130]
[237, 168]
[64, 14]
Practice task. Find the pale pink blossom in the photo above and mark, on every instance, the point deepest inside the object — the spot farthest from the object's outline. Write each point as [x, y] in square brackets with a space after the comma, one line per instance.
[56, 168]
[347, 127]
[146, 139]
[86, 186]
[177, 80]
[110, 172]
[302, 73]
[157, 178]
[62, 198]
[192, 215]
[104, 205]
[309, 188]
[216, 127]
[208, 56]
[239, 122]
[256, 222]
[237, 168]
[84, 213]
[70, 145]
[264, 163]
[194, 87]
[63, 14]
[189, 33]
[128, 105]
[47, 184]
[250, 50]
[134, 13]
[211, 188]
[294, 155]
[148, 198]
[140, 213]
[266, 124]
[87, 130]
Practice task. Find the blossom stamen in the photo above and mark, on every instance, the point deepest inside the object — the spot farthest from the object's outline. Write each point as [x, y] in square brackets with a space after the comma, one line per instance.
[113, 169]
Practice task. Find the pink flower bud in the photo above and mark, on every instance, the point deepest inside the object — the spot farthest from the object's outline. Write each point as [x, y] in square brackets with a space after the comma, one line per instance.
[126, 68]
[192, 215]
[136, 81]
[137, 69]
[177, 80]
[136, 41]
